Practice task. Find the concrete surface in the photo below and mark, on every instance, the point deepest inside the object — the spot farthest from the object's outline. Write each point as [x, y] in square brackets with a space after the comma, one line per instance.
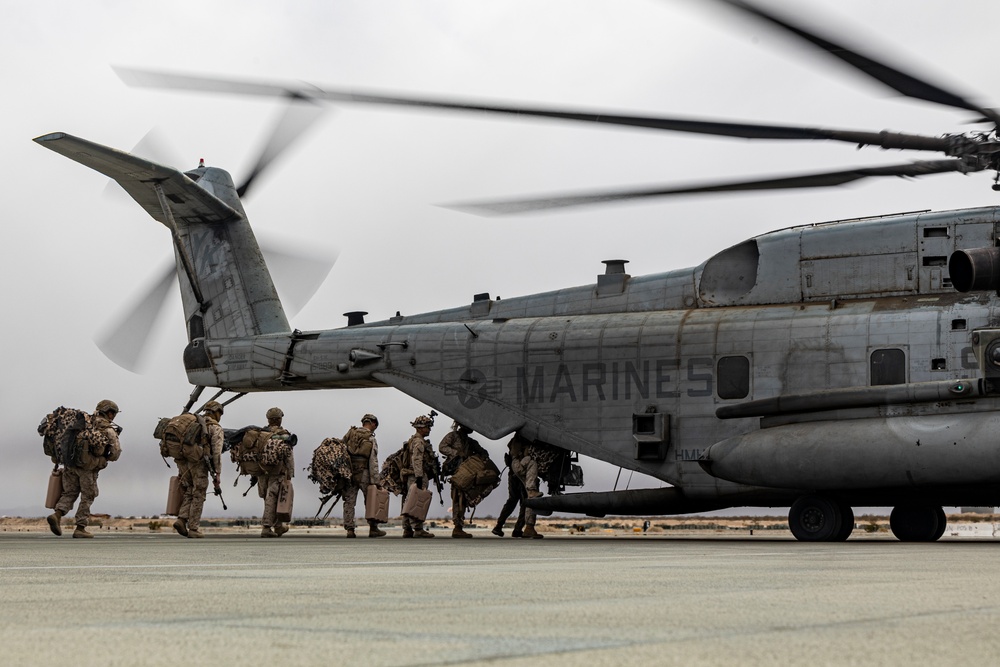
[307, 599]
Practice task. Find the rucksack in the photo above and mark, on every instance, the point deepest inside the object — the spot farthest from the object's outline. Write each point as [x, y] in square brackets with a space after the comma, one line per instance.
[391, 477]
[476, 478]
[247, 453]
[94, 441]
[183, 438]
[276, 450]
[331, 467]
[59, 430]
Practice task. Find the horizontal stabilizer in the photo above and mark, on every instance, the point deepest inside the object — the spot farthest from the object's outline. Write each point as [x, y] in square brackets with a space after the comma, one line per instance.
[649, 502]
[137, 176]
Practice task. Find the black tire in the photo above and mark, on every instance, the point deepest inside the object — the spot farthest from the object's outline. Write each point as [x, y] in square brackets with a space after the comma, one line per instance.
[916, 523]
[846, 523]
[814, 519]
[942, 524]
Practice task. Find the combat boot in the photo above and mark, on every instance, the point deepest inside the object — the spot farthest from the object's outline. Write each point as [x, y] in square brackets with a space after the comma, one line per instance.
[497, 530]
[81, 532]
[281, 529]
[517, 532]
[350, 533]
[195, 533]
[530, 533]
[422, 533]
[180, 525]
[373, 529]
[267, 531]
[54, 520]
[458, 532]
[407, 532]
[533, 493]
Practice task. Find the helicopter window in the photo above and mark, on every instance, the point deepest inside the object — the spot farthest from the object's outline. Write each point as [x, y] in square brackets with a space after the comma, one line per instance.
[935, 232]
[936, 260]
[734, 377]
[888, 367]
[939, 364]
[958, 325]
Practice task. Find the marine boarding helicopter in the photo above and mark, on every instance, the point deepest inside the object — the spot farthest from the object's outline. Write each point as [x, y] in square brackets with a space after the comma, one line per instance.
[820, 367]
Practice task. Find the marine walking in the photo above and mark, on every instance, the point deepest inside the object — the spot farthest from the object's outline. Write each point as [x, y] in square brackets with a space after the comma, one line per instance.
[83, 445]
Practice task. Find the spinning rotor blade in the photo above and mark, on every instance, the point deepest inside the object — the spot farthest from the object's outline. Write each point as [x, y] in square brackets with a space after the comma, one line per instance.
[144, 78]
[826, 179]
[297, 117]
[296, 274]
[152, 147]
[125, 340]
[906, 84]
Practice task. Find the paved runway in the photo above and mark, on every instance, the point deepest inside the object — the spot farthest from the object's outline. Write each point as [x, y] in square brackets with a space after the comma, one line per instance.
[159, 599]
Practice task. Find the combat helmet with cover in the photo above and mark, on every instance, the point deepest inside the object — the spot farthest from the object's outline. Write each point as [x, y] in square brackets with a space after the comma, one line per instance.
[422, 421]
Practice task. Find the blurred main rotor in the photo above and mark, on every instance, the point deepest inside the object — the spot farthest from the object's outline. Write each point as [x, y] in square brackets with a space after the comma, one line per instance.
[964, 152]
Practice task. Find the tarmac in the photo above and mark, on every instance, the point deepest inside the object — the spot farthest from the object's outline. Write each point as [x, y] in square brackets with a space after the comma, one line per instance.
[316, 598]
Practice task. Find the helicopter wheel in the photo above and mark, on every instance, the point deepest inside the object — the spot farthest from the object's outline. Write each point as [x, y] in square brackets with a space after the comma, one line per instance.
[942, 524]
[917, 523]
[846, 523]
[816, 519]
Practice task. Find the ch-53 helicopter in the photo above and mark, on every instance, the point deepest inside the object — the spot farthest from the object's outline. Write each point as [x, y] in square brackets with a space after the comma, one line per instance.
[820, 367]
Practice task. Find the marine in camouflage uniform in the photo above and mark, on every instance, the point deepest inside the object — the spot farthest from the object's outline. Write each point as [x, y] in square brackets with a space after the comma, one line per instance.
[193, 475]
[456, 447]
[415, 457]
[363, 448]
[82, 481]
[516, 495]
[269, 482]
[524, 465]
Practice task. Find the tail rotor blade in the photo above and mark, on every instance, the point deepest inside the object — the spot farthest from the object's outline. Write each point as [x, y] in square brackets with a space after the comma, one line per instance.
[152, 147]
[299, 115]
[297, 274]
[125, 340]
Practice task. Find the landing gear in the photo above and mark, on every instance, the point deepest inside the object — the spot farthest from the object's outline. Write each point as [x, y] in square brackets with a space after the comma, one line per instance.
[818, 519]
[917, 523]
[846, 523]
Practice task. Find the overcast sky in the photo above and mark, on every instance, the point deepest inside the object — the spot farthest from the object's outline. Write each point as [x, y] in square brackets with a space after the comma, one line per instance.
[365, 182]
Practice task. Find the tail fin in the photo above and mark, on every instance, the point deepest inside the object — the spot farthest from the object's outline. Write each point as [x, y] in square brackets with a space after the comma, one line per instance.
[226, 289]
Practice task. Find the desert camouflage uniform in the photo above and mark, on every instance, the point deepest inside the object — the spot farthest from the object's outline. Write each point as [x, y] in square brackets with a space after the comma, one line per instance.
[516, 495]
[269, 486]
[417, 448]
[193, 478]
[364, 468]
[525, 467]
[456, 447]
[82, 481]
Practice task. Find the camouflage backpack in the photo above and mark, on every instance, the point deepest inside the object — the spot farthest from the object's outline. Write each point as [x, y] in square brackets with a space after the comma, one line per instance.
[247, 453]
[544, 456]
[277, 451]
[476, 478]
[183, 438]
[93, 441]
[331, 467]
[59, 430]
[391, 477]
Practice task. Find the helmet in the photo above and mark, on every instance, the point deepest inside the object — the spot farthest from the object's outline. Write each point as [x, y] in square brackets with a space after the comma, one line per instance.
[107, 406]
[275, 413]
[421, 421]
[212, 406]
[370, 418]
